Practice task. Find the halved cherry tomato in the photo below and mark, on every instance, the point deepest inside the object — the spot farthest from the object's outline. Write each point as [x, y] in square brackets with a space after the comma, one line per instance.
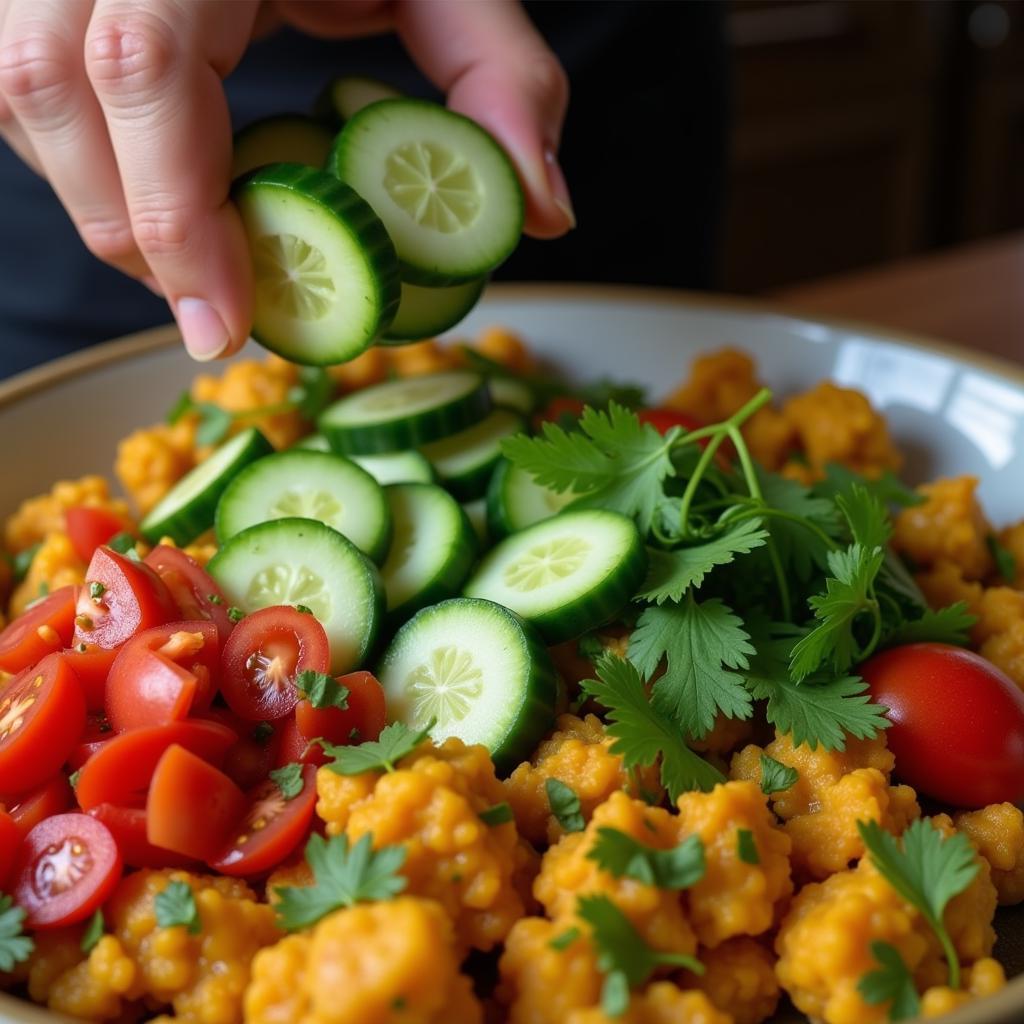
[120, 598]
[561, 407]
[294, 748]
[88, 528]
[128, 827]
[957, 723]
[362, 720]
[272, 828]
[194, 591]
[663, 420]
[97, 733]
[192, 807]
[121, 770]
[92, 666]
[53, 797]
[40, 630]
[250, 760]
[163, 674]
[68, 866]
[10, 844]
[262, 658]
[42, 716]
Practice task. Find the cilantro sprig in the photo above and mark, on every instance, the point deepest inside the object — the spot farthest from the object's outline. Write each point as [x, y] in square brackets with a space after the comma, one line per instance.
[15, 946]
[623, 857]
[565, 805]
[776, 777]
[288, 780]
[379, 755]
[322, 690]
[176, 906]
[891, 982]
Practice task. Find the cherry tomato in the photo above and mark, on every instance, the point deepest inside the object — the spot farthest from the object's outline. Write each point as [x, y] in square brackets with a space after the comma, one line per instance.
[163, 674]
[121, 770]
[272, 827]
[294, 748]
[92, 666]
[10, 844]
[40, 630]
[68, 866]
[191, 807]
[128, 827]
[42, 716]
[251, 758]
[362, 720]
[663, 420]
[53, 797]
[89, 528]
[120, 598]
[958, 723]
[194, 591]
[97, 733]
[560, 407]
[262, 658]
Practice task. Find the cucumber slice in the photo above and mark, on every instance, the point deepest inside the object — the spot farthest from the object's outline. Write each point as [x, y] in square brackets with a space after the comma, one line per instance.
[405, 413]
[509, 393]
[432, 551]
[478, 671]
[346, 96]
[396, 467]
[188, 509]
[313, 443]
[515, 500]
[445, 190]
[566, 575]
[303, 562]
[326, 273]
[284, 137]
[427, 312]
[476, 512]
[308, 485]
[465, 461]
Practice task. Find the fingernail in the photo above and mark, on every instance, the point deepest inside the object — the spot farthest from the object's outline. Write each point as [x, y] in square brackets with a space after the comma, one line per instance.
[558, 186]
[202, 329]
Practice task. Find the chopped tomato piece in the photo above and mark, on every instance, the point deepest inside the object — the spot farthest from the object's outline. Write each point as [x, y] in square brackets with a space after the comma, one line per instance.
[128, 827]
[192, 807]
[92, 666]
[121, 597]
[273, 826]
[558, 410]
[663, 420]
[43, 628]
[264, 655]
[97, 733]
[53, 797]
[362, 720]
[10, 844]
[42, 717]
[193, 589]
[294, 748]
[89, 528]
[121, 770]
[251, 759]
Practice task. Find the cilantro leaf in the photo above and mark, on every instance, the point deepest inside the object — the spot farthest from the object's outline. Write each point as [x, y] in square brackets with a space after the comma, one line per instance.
[22, 561]
[622, 856]
[776, 777]
[1004, 558]
[15, 947]
[927, 870]
[93, 932]
[312, 393]
[746, 847]
[395, 742]
[288, 780]
[322, 690]
[176, 905]
[703, 642]
[122, 543]
[564, 939]
[499, 814]
[888, 487]
[950, 625]
[672, 573]
[642, 733]
[892, 983]
[214, 423]
[866, 516]
[343, 876]
[565, 805]
[800, 549]
[183, 405]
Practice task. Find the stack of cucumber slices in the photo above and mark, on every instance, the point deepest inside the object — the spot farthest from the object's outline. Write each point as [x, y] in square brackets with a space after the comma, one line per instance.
[367, 526]
[382, 233]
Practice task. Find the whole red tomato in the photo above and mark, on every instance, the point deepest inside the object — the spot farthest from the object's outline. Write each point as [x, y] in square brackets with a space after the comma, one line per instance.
[957, 723]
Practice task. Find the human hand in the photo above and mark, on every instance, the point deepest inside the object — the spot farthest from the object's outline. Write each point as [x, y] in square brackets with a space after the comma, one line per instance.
[119, 104]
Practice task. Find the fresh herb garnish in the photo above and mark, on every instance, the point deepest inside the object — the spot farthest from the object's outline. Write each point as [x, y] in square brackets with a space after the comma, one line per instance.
[288, 780]
[235, 614]
[22, 561]
[122, 543]
[73, 778]
[891, 983]
[304, 608]
[93, 932]
[1004, 558]
[175, 906]
[776, 777]
[499, 814]
[565, 805]
[564, 939]
[622, 856]
[949, 625]
[15, 946]
[380, 755]
[322, 690]
[746, 846]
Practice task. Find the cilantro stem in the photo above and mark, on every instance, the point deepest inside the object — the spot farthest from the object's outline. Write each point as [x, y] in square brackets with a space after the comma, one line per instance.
[740, 416]
[949, 951]
[694, 482]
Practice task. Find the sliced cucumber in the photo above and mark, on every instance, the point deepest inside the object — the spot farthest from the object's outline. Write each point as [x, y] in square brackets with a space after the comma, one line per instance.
[313, 443]
[476, 511]
[510, 393]
[326, 273]
[188, 509]
[428, 312]
[432, 551]
[515, 501]
[405, 413]
[308, 485]
[465, 461]
[346, 96]
[292, 138]
[478, 671]
[303, 562]
[396, 467]
[566, 575]
[443, 187]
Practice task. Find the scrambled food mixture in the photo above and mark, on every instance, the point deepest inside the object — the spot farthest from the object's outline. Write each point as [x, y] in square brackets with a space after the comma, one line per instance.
[692, 709]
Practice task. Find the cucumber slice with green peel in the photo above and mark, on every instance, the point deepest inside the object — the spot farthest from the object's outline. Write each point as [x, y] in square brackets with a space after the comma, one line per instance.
[405, 413]
[326, 272]
[432, 551]
[303, 562]
[396, 468]
[343, 97]
[444, 188]
[292, 138]
[515, 500]
[313, 443]
[428, 312]
[308, 485]
[478, 671]
[509, 393]
[566, 575]
[189, 508]
[465, 461]
[476, 512]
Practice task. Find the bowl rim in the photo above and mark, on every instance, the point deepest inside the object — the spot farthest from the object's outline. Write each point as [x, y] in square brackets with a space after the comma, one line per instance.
[1004, 1007]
